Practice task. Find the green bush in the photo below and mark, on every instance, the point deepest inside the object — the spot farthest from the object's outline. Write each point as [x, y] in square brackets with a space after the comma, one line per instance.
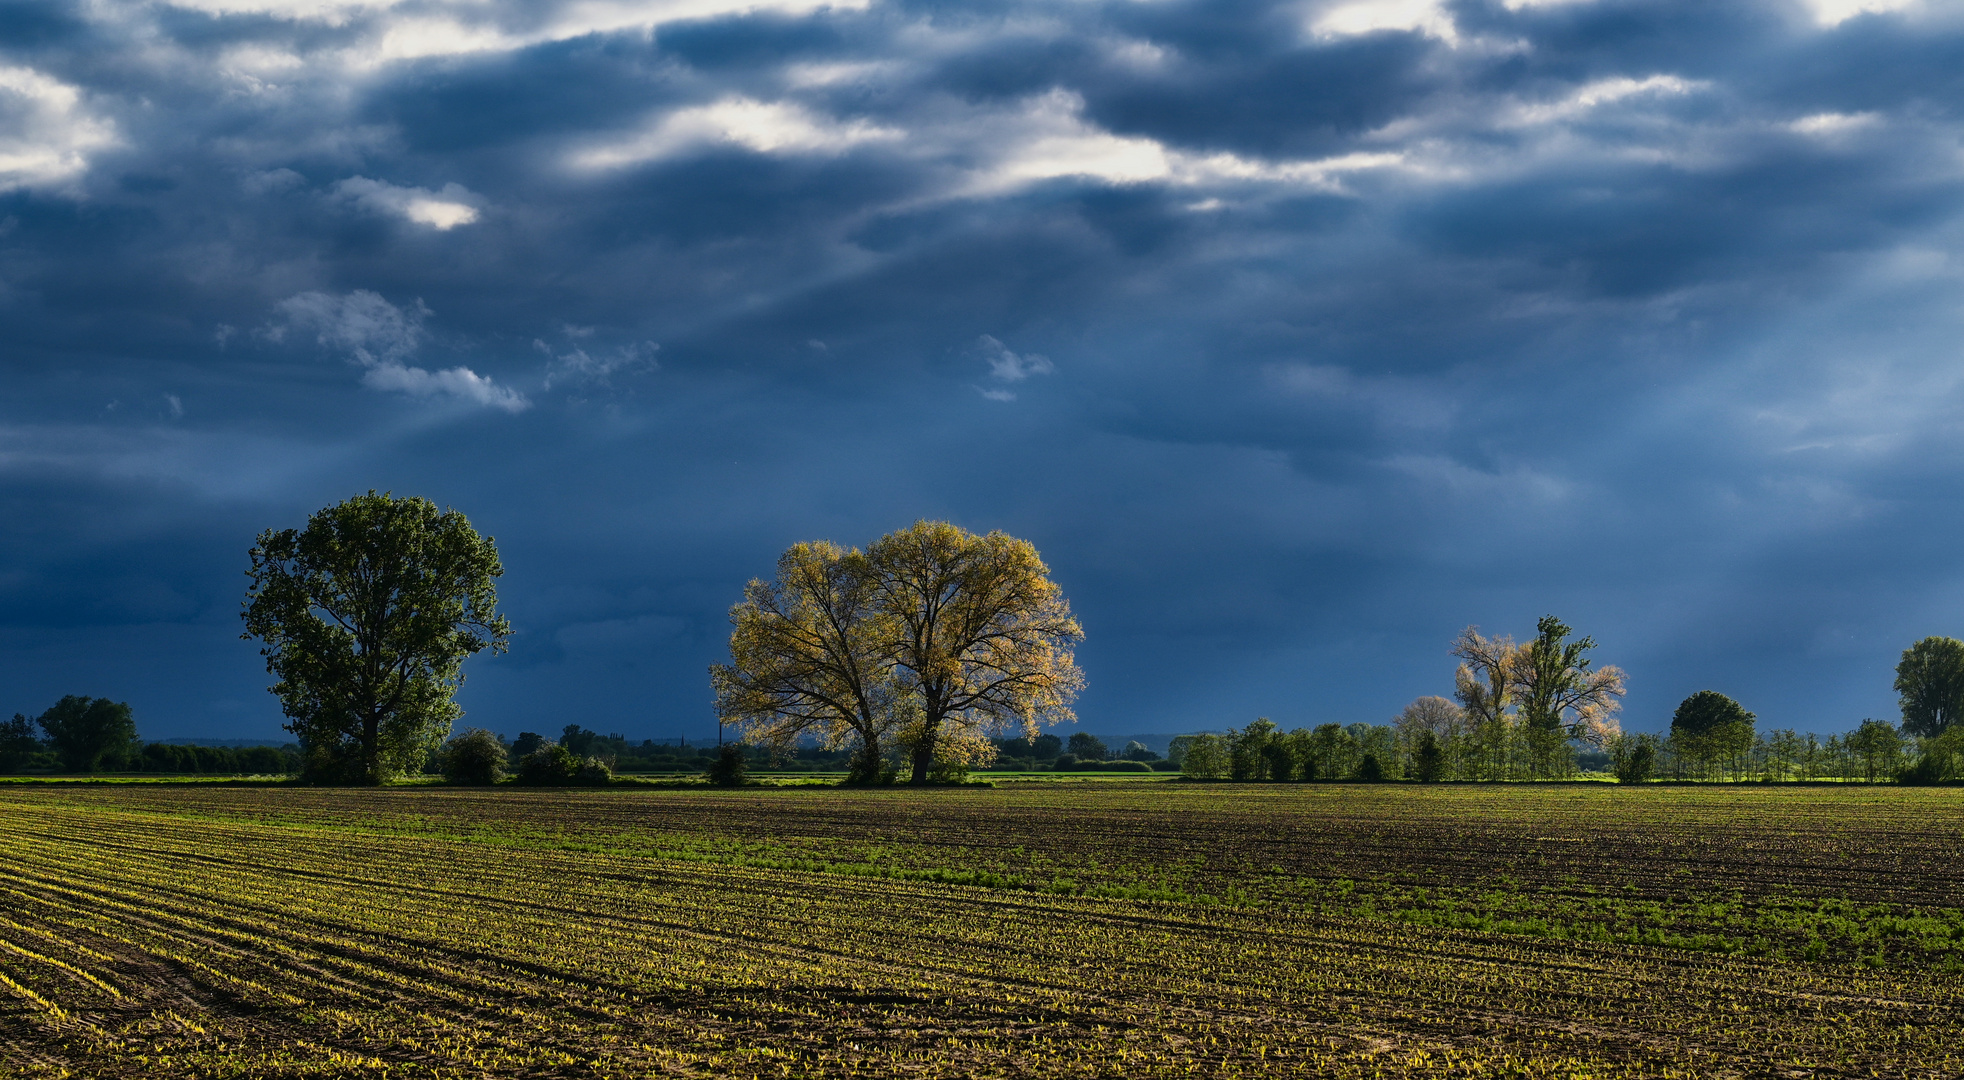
[476, 757]
[1369, 771]
[869, 769]
[947, 772]
[730, 766]
[1637, 766]
[551, 765]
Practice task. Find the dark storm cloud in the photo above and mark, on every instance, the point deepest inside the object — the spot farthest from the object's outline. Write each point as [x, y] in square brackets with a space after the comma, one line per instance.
[1296, 337]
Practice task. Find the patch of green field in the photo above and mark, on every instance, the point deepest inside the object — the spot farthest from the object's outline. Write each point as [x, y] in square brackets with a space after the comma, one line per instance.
[1056, 928]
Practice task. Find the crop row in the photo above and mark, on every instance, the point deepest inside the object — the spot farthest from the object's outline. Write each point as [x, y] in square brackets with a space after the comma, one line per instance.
[1834, 875]
[237, 931]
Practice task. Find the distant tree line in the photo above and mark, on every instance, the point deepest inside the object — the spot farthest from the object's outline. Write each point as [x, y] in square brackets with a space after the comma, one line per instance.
[1261, 751]
[1537, 712]
[82, 735]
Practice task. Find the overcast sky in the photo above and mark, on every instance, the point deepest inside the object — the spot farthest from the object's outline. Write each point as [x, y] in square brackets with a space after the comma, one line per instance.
[1296, 336]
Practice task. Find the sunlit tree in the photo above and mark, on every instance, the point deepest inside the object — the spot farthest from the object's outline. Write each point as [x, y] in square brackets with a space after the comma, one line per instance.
[366, 617]
[982, 638]
[1484, 685]
[808, 658]
[1560, 697]
[1930, 685]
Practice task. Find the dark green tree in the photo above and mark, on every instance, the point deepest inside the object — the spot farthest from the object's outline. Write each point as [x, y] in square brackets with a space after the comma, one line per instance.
[19, 742]
[475, 757]
[1930, 685]
[1088, 747]
[1707, 711]
[366, 617]
[1636, 761]
[1046, 747]
[549, 765]
[1878, 746]
[1248, 757]
[1429, 760]
[1710, 725]
[1369, 770]
[87, 733]
[577, 740]
[730, 766]
[1279, 761]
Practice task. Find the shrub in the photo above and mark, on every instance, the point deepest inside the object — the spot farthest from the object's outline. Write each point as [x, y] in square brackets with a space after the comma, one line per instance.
[1065, 762]
[475, 757]
[869, 769]
[729, 767]
[594, 773]
[1636, 767]
[1126, 766]
[550, 765]
[1369, 771]
[948, 772]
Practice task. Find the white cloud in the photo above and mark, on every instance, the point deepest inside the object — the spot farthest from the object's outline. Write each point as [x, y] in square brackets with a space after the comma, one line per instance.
[426, 28]
[1830, 124]
[458, 382]
[1050, 139]
[1836, 12]
[1367, 16]
[379, 336]
[1604, 92]
[46, 135]
[370, 329]
[767, 127]
[578, 365]
[1008, 367]
[440, 210]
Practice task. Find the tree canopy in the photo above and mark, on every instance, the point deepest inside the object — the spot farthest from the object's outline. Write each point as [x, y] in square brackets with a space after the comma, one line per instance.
[1706, 712]
[1557, 691]
[365, 617]
[809, 656]
[981, 637]
[930, 641]
[84, 731]
[1930, 685]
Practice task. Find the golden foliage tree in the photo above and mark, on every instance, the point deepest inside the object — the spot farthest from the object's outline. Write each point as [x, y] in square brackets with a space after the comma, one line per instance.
[1558, 693]
[979, 634]
[1484, 685]
[930, 641]
[807, 657]
[1548, 684]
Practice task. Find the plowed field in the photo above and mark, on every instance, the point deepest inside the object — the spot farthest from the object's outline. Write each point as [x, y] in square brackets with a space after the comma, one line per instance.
[1045, 930]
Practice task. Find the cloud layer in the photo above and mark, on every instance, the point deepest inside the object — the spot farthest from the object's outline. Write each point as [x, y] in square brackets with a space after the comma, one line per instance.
[1296, 336]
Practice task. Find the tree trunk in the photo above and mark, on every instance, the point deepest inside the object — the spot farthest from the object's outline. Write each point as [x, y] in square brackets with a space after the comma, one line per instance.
[371, 749]
[924, 754]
